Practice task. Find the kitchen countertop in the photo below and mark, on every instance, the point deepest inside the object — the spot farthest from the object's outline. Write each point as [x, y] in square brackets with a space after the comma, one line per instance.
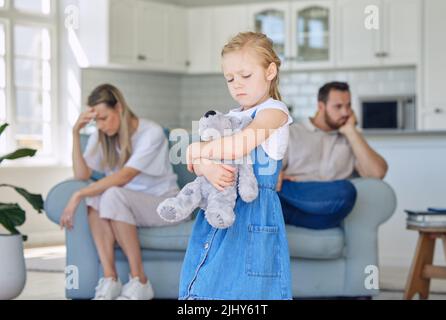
[387, 132]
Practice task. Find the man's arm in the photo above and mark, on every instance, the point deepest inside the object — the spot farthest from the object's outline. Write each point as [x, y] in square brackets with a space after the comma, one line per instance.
[369, 163]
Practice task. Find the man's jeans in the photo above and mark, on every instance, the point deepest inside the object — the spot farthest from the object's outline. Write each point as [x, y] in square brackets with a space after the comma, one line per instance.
[317, 205]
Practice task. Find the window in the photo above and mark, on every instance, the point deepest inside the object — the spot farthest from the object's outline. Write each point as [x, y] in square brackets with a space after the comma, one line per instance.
[33, 6]
[32, 82]
[27, 96]
[3, 140]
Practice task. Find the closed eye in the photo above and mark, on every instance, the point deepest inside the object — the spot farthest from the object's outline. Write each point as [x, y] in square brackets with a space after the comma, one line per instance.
[230, 80]
[246, 77]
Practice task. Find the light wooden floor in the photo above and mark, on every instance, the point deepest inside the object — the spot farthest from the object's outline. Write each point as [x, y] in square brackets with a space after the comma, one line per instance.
[44, 285]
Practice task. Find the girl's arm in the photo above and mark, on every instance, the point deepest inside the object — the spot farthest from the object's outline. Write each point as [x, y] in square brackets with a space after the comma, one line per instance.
[219, 175]
[241, 143]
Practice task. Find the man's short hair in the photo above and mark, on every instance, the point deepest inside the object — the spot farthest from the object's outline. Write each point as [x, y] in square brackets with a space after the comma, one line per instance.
[325, 90]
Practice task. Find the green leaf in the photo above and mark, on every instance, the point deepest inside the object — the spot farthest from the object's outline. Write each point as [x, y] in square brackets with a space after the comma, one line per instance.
[35, 200]
[3, 127]
[11, 216]
[21, 153]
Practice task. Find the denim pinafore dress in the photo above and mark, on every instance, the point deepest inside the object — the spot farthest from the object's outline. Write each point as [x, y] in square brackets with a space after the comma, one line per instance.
[249, 260]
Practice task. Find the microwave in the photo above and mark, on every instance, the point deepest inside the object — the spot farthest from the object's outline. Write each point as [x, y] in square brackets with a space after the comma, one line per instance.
[391, 113]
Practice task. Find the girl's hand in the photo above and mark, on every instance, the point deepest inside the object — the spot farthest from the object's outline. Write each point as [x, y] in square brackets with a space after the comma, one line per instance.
[219, 175]
[193, 155]
[66, 220]
[84, 119]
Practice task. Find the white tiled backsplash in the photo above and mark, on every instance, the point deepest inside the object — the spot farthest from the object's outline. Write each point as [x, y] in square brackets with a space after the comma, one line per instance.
[149, 95]
[176, 100]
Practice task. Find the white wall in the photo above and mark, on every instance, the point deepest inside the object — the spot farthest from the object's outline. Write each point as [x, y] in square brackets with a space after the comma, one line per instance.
[417, 173]
[39, 229]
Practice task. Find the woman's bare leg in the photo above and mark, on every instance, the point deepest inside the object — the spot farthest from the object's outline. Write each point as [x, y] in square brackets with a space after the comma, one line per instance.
[105, 242]
[127, 237]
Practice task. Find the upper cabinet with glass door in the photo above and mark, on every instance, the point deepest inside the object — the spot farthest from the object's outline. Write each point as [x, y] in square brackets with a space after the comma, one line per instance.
[311, 34]
[273, 20]
[301, 31]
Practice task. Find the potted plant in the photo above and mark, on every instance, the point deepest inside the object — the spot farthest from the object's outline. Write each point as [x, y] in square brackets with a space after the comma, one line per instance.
[12, 261]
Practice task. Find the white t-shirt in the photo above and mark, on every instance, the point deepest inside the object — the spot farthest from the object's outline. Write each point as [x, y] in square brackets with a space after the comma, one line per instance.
[276, 144]
[150, 156]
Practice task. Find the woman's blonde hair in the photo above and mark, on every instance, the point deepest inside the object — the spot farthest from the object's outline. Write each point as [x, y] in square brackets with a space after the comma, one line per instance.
[111, 96]
[263, 47]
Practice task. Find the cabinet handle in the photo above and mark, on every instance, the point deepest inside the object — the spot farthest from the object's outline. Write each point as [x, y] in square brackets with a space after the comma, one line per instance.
[381, 54]
[438, 110]
[142, 57]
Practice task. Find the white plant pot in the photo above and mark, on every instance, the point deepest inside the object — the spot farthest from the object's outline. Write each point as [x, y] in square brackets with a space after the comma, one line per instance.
[12, 266]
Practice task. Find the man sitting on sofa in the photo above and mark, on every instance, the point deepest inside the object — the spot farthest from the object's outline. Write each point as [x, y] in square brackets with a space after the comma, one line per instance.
[323, 152]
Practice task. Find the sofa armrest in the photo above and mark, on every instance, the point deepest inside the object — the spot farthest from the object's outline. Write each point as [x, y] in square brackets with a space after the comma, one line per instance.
[375, 204]
[82, 258]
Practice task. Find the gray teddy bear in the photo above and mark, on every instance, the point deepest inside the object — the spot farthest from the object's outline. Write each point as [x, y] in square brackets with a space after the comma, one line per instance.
[218, 205]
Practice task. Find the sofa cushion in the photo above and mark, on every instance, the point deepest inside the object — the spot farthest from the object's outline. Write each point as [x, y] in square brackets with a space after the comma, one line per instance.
[173, 238]
[303, 243]
[315, 244]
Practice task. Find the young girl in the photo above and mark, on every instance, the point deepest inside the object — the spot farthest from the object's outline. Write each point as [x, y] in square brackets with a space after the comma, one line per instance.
[249, 260]
[133, 152]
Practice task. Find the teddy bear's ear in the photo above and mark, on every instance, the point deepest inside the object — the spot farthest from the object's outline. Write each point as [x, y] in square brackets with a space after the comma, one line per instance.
[210, 113]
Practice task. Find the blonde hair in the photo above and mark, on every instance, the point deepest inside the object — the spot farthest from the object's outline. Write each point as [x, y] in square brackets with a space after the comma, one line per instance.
[111, 96]
[263, 47]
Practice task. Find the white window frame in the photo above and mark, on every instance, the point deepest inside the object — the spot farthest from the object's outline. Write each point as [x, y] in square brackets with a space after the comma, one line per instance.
[10, 16]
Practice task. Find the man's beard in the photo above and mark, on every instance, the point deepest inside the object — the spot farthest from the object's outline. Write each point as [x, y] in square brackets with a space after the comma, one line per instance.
[333, 124]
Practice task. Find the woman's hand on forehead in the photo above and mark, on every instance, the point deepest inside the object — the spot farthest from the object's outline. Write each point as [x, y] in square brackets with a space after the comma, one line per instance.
[91, 111]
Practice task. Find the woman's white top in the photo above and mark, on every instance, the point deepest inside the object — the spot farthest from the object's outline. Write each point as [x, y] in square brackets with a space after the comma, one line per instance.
[276, 144]
[150, 156]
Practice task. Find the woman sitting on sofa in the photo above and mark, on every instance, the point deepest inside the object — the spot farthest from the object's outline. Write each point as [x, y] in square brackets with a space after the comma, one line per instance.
[133, 154]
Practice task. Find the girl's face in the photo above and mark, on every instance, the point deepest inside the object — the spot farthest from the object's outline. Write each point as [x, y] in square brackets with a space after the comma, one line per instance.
[248, 81]
[107, 119]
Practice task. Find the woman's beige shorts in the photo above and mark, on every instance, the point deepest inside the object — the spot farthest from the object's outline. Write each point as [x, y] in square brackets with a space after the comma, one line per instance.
[132, 207]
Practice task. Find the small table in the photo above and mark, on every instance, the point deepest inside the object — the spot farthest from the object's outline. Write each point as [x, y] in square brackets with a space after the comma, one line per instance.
[422, 270]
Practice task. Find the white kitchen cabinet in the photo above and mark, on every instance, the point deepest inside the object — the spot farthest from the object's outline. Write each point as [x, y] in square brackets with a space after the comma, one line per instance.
[133, 34]
[433, 67]
[227, 21]
[274, 20]
[402, 32]
[177, 38]
[123, 31]
[395, 41]
[357, 45]
[312, 36]
[200, 40]
[434, 119]
[210, 28]
[152, 21]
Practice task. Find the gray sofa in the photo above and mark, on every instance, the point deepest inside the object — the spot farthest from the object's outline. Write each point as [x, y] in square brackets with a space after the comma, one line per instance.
[324, 263]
